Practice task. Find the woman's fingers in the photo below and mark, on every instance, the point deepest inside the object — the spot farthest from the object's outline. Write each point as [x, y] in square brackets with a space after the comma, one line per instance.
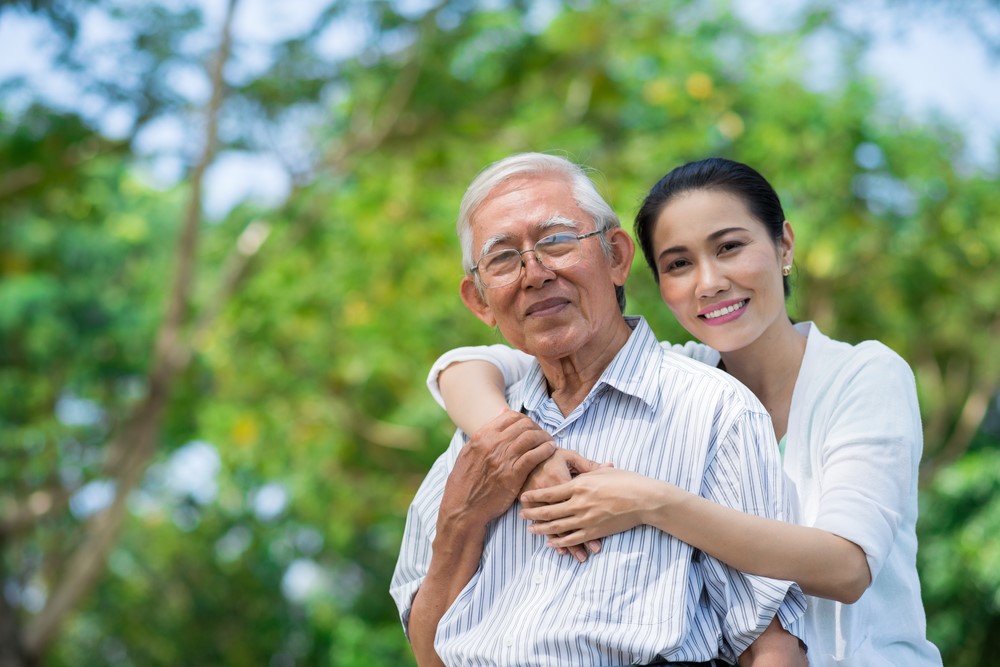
[573, 540]
[549, 495]
[562, 526]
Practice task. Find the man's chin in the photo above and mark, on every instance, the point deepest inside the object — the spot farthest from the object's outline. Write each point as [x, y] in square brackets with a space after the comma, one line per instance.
[552, 344]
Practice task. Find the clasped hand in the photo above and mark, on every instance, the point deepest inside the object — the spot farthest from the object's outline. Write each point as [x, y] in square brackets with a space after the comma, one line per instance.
[573, 500]
[604, 501]
[491, 469]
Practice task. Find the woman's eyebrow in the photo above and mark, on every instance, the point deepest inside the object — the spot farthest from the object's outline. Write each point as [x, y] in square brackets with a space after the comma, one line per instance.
[714, 236]
[722, 232]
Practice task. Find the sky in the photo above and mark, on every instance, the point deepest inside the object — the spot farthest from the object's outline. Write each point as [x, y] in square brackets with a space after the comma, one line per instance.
[933, 65]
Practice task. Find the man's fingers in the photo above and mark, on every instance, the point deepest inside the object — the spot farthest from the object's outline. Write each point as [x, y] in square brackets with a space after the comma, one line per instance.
[506, 428]
[533, 456]
[503, 421]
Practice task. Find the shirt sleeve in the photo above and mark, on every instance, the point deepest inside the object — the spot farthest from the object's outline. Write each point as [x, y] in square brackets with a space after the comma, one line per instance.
[513, 364]
[871, 449]
[418, 536]
[746, 474]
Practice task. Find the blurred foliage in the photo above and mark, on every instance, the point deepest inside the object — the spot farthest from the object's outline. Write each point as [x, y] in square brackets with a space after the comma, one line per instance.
[307, 393]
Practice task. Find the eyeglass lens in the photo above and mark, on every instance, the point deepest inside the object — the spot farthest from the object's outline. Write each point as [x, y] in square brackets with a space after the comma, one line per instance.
[559, 251]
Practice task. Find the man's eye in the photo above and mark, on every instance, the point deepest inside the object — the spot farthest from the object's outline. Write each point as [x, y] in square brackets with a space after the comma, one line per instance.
[557, 239]
[500, 260]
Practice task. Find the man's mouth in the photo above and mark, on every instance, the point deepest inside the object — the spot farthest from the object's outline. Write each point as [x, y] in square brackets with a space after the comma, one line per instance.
[546, 306]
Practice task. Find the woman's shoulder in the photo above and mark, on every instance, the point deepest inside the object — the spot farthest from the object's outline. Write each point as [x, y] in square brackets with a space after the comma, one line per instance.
[841, 355]
[692, 350]
[833, 365]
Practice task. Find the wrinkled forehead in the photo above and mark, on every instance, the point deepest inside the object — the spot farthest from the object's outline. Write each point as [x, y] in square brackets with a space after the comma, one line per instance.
[521, 208]
[541, 229]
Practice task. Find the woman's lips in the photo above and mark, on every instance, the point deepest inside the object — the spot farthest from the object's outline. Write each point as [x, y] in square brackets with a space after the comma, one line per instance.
[724, 312]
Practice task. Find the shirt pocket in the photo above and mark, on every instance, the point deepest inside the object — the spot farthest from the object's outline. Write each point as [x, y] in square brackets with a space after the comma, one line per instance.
[627, 589]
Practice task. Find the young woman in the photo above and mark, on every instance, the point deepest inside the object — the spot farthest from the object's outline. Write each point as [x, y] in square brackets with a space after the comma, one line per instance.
[846, 418]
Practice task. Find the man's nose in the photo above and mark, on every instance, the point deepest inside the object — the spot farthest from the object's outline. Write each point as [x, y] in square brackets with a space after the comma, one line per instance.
[535, 273]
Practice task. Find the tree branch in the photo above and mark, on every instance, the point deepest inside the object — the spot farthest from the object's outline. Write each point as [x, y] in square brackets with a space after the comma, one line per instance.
[970, 418]
[137, 440]
[369, 129]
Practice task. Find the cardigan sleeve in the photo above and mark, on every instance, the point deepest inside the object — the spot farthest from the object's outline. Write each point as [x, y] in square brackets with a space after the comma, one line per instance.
[871, 447]
[513, 364]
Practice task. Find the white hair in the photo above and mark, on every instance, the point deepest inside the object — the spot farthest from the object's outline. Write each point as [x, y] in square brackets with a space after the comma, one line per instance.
[584, 193]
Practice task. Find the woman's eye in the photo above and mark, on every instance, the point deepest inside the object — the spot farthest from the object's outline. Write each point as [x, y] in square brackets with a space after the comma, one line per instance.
[675, 265]
[729, 246]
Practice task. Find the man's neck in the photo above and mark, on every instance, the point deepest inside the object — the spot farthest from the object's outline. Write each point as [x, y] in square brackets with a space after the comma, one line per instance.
[571, 378]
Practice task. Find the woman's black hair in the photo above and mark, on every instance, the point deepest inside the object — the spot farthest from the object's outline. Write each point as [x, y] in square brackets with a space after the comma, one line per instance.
[713, 173]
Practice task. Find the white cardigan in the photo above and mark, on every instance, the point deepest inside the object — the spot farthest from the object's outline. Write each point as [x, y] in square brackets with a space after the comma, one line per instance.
[853, 449]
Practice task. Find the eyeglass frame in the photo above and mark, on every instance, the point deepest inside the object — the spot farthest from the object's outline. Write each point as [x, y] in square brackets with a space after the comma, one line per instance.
[520, 253]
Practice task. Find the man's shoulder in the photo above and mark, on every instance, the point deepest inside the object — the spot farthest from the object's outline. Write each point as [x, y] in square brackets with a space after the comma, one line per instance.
[706, 379]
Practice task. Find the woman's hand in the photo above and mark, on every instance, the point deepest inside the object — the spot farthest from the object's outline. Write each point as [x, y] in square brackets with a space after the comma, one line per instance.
[595, 504]
[559, 468]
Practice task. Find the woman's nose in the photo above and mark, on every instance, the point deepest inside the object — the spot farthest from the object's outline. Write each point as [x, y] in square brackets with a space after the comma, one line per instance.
[711, 279]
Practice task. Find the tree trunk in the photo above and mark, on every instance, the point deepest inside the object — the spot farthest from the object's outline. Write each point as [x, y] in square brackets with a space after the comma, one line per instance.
[131, 451]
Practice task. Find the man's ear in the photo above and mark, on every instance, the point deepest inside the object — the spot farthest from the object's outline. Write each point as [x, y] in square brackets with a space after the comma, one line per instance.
[475, 302]
[622, 254]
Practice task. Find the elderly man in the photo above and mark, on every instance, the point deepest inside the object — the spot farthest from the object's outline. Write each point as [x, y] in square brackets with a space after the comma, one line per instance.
[473, 585]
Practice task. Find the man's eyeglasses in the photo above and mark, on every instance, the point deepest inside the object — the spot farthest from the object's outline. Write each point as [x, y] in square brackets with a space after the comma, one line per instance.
[559, 251]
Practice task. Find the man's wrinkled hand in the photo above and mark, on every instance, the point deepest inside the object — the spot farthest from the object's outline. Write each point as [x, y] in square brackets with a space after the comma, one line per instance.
[492, 467]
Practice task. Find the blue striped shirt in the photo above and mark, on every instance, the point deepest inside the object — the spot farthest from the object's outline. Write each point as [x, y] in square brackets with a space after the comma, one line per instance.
[645, 594]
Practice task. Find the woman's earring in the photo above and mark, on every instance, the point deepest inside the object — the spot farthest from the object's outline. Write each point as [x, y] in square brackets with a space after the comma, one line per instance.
[785, 270]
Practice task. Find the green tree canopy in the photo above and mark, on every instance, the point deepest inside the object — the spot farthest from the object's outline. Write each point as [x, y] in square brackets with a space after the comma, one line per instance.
[223, 422]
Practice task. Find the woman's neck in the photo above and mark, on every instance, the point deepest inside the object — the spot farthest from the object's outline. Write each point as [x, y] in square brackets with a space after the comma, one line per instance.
[769, 367]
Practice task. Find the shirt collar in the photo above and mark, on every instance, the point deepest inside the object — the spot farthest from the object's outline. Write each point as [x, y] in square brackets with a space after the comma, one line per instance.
[633, 371]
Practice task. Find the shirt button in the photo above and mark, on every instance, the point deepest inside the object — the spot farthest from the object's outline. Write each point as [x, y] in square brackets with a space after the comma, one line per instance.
[538, 580]
[509, 641]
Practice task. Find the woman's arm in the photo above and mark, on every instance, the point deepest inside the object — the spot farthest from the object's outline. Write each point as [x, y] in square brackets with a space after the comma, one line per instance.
[608, 501]
[473, 393]
[470, 382]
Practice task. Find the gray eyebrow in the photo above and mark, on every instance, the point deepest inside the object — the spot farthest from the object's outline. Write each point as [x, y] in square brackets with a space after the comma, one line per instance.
[554, 221]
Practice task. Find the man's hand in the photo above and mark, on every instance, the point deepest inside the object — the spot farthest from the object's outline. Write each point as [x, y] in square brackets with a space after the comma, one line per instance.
[492, 468]
[488, 475]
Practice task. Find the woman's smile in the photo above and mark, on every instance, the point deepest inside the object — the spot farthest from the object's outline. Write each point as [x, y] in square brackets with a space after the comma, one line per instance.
[719, 269]
[724, 312]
